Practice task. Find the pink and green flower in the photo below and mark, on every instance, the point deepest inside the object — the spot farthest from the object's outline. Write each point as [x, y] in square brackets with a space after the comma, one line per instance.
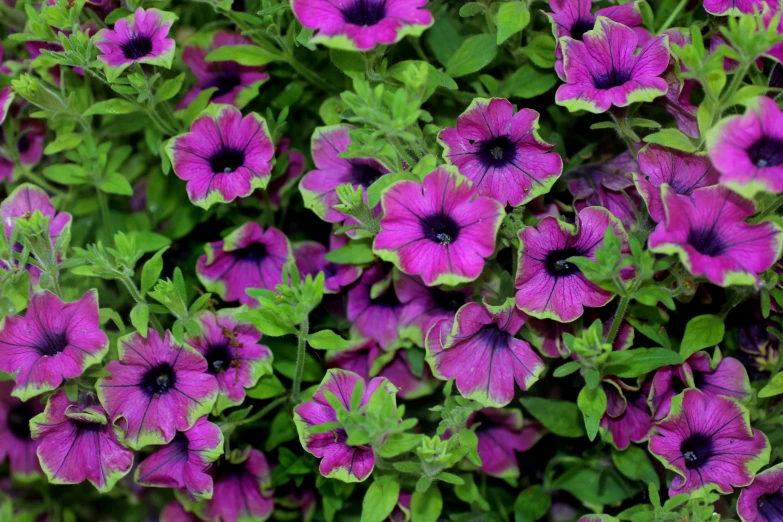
[242, 491]
[762, 501]
[502, 433]
[140, 38]
[16, 442]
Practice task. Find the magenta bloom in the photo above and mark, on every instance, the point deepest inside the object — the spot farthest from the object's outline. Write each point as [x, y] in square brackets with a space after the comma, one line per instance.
[156, 388]
[78, 443]
[242, 490]
[234, 356]
[236, 84]
[573, 18]
[547, 336]
[359, 358]
[683, 172]
[400, 373]
[310, 259]
[733, 7]
[6, 97]
[318, 187]
[174, 512]
[628, 417]
[501, 434]
[762, 501]
[501, 152]
[296, 163]
[707, 230]
[362, 24]
[224, 156]
[29, 146]
[183, 462]
[54, 341]
[478, 349]
[16, 444]
[709, 443]
[140, 38]
[249, 257]
[604, 69]
[548, 286]
[440, 230]
[713, 378]
[338, 459]
[747, 150]
[374, 309]
[423, 305]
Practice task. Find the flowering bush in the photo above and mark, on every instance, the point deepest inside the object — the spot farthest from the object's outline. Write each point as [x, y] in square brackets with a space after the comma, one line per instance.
[391, 260]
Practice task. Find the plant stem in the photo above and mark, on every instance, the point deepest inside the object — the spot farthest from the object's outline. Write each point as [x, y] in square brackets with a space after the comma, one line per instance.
[677, 10]
[400, 148]
[136, 295]
[104, 205]
[769, 210]
[266, 409]
[618, 318]
[301, 347]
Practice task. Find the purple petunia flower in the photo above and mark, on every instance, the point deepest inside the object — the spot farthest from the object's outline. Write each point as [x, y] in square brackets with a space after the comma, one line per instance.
[319, 186]
[234, 356]
[29, 147]
[175, 512]
[184, 461]
[249, 257]
[501, 434]
[762, 501]
[140, 38]
[55, 340]
[338, 459]
[16, 444]
[548, 286]
[374, 309]
[310, 259]
[709, 443]
[6, 98]
[628, 417]
[725, 376]
[359, 358]
[78, 443]
[683, 172]
[604, 69]
[280, 185]
[707, 230]
[23, 202]
[242, 490]
[733, 7]
[747, 149]
[399, 371]
[156, 388]
[423, 305]
[236, 84]
[547, 336]
[224, 156]
[500, 151]
[440, 229]
[478, 349]
[573, 18]
[362, 24]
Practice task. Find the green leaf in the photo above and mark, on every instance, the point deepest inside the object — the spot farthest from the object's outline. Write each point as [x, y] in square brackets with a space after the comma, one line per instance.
[375, 191]
[598, 487]
[426, 507]
[701, 332]
[197, 105]
[63, 142]
[673, 138]
[151, 271]
[470, 9]
[169, 89]
[139, 317]
[116, 184]
[636, 362]
[327, 340]
[398, 443]
[541, 51]
[634, 463]
[474, 54]
[567, 369]
[512, 17]
[66, 173]
[242, 54]
[380, 499]
[774, 387]
[560, 417]
[267, 387]
[592, 402]
[113, 106]
[528, 82]
[532, 504]
[358, 252]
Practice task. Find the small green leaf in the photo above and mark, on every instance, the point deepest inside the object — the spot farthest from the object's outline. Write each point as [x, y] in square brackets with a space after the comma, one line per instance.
[426, 507]
[357, 252]
[634, 463]
[66, 173]
[634, 363]
[327, 340]
[701, 332]
[63, 142]
[774, 387]
[560, 417]
[243, 54]
[116, 184]
[592, 402]
[380, 499]
[169, 89]
[673, 138]
[151, 271]
[113, 106]
[532, 504]
[474, 54]
[512, 17]
[139, 317]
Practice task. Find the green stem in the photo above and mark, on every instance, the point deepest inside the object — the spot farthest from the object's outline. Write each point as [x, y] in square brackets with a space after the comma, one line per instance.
[769, 210]
[136, 295]
[400, 148]
[301, 347]
[38, 180]
[680, 6]
[265, 410]
[104, 205]
[618, 317]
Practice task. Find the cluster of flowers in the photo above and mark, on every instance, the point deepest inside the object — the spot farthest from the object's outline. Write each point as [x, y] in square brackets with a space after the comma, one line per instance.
[428, 296]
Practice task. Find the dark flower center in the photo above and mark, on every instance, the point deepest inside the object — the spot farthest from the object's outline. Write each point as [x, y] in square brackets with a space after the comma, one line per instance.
[580, 27]
[158, 380]
[497, 152]
[23, 145]
[387, 299]
[697, 450]
[219, 358]
[450, 301]
[330, 270]
[52, 343]
[253, 253]
[766, 152]
[706, 241]
[770, 506]
[137, 47]
[492, 335]
[613, 78]
[82, 426]
[364, 12]
[225, 83]
[440, 228]
[18, 420]
[226, 160]
[557, 265]
[364, 174]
